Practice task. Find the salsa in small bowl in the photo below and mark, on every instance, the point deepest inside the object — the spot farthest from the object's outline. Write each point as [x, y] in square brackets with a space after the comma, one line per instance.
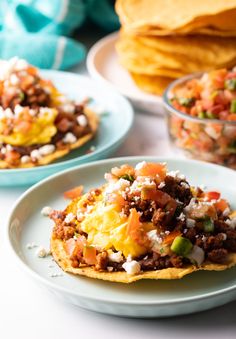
[201, 114]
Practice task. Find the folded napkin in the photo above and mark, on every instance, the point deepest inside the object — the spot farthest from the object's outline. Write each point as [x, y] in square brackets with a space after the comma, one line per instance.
[39, 30]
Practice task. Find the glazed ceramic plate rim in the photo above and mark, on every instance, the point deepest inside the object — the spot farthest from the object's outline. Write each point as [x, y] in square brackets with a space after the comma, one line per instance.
[70, 162]
[94, 72]
[55, 286]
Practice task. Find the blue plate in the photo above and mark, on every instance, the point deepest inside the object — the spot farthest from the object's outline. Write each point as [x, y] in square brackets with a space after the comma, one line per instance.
[114, 126]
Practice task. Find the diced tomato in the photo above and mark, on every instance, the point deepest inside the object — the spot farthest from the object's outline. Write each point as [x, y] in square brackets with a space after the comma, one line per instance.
[171, 237]
[160, 197]
[71, 247]
[221, 205]
[117, 199]
[223, 115]
[152, 170]
[124, 169]
[23, 126]
[212, 195]
[134, 229]
[89, 255]
[74, 193]
[12, 157]
[232, 117]
[231, 75]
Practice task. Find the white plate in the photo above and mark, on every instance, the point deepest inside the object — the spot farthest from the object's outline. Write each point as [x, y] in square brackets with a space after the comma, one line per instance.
[196, 292]
[103, 66]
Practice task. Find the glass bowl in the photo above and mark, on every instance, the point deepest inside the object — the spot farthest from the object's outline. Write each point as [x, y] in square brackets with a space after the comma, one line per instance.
[210, 140]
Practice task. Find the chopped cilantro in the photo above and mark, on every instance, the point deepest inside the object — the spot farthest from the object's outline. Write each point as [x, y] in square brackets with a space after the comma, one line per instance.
[128, 177]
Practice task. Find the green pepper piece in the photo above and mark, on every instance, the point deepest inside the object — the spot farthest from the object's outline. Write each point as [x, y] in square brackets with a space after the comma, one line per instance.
[233, 106]
[128, 177]
[208, 225]
[181, 246]
[230, 84]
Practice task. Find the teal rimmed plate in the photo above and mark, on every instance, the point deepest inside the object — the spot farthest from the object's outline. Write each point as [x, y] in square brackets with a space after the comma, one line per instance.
[114, 126]
[196, 292]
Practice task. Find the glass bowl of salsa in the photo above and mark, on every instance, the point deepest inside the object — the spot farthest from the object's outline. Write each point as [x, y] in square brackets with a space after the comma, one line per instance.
[201, 115]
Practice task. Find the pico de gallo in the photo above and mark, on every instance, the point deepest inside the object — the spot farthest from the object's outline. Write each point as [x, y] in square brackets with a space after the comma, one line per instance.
[211, 99]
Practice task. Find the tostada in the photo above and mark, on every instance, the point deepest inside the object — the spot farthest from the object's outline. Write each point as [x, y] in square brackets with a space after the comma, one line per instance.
[38, 124]
[144, 223]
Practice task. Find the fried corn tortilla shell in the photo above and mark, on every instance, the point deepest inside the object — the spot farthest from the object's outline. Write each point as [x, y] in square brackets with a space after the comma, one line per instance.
[151, 84]
[137, 14]
[154, 56]
[93, 120]
[62, 259]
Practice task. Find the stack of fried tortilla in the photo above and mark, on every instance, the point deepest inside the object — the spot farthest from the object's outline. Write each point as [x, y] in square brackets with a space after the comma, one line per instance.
[161, 40]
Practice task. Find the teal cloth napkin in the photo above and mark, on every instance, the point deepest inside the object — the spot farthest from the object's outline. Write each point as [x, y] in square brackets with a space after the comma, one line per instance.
[39, 30]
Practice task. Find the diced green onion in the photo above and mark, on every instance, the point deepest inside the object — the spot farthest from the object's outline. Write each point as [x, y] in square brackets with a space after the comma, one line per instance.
[186, 102]
[233, 106]
[181, 246]
[202, 115]
[208, 225]
[128, 177]
[210, 115]
[230, 84]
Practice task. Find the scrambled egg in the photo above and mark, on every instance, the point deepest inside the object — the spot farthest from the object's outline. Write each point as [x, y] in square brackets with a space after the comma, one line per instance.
[41, 131]
[107, 228]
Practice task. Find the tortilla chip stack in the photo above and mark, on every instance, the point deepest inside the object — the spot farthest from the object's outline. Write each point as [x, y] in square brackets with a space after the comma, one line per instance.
[161, 40]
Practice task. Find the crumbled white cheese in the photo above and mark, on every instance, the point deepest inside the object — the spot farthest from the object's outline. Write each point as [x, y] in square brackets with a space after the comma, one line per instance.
[181, 216]
[161, 185]
[41, 252]
[9, 148]
[18, 110]
[224, 236]
[231, 222]
[80, 216]
[131, 267]
[8, 113]
[115, 256]
[55, 275]
[69, 218]
[25, 159]
[190, 222]
[176, 174]
[69, 138]
[35, 154]
[3, 150]
[154, 237]
[82, 120]
[46, 211]
[32, 112]
[226, 212]
[184, 184]
[47, 149]
[68, 107]
[140, 165]
[21, 64]
[14, 80]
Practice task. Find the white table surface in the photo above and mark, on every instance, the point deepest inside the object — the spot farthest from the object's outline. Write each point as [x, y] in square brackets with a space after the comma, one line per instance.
[29, 311]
